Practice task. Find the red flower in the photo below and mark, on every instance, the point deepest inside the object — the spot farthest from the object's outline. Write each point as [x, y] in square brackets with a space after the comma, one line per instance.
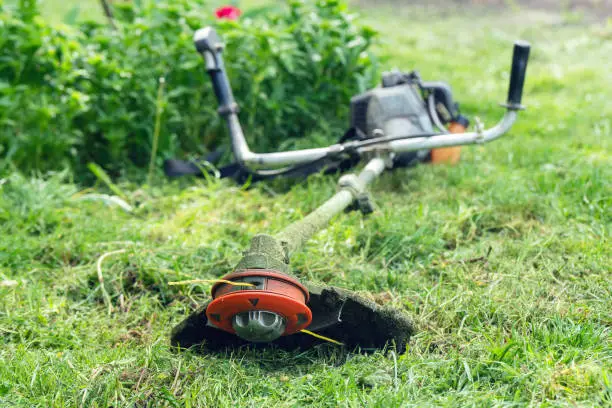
[228, 12]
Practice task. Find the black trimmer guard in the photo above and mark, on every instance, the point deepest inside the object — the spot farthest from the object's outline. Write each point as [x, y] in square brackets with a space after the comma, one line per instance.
[338, 314]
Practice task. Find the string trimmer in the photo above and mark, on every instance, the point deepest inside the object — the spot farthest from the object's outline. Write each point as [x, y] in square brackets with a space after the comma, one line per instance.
[392, 126]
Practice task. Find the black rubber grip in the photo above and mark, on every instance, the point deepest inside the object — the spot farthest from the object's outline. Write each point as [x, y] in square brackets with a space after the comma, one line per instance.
[517, 76]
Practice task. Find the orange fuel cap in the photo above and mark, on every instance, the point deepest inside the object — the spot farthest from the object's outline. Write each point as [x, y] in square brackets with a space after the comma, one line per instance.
[449, 155]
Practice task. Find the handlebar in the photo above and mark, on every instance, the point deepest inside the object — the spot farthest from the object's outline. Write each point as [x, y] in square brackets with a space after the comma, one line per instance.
[210, 45]
[520, 56]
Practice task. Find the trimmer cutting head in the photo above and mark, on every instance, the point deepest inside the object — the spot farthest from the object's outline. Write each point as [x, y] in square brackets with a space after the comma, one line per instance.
[260, 303]
[274, 304]
[341, 315]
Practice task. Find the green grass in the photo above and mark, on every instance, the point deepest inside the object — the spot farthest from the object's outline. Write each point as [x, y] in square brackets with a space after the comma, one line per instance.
[527, 324]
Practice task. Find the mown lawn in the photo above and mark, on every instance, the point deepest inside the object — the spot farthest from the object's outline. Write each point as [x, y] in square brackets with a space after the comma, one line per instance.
[503, 261]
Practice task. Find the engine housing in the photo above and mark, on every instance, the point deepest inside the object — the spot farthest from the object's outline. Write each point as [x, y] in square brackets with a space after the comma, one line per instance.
[396, 111]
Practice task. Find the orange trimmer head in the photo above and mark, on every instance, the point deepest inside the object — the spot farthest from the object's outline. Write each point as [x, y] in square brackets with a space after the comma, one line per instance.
[272, 305]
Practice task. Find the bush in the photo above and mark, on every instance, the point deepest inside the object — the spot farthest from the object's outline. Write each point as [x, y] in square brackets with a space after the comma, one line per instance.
[70, 95]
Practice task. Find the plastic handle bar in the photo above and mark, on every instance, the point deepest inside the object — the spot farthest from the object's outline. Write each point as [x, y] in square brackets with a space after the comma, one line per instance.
[517, 76]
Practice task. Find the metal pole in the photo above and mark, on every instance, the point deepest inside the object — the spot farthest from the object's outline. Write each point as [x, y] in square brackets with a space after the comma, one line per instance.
[295, 235]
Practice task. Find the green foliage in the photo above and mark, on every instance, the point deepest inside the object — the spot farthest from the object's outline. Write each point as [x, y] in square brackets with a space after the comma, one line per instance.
[297, 72]
[74, 95]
